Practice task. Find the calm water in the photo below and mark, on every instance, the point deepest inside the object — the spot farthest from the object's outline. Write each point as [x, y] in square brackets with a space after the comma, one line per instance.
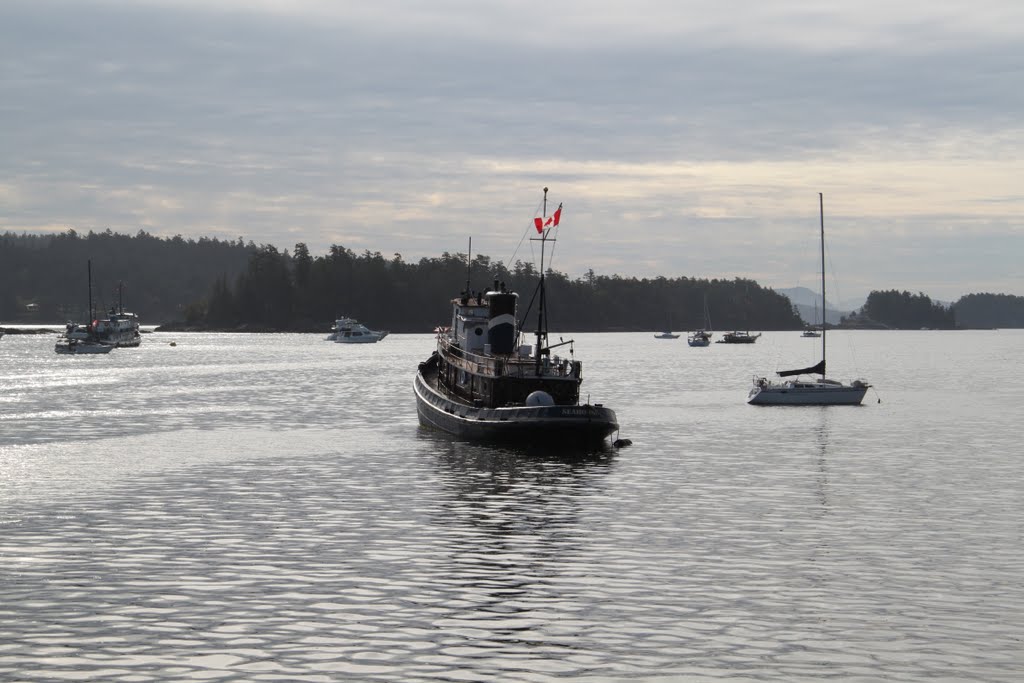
[265, 508]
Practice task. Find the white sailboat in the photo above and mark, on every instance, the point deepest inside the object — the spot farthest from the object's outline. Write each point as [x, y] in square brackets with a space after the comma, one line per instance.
[702, 337]
[800, 391]
[810, 331]
[82, 339]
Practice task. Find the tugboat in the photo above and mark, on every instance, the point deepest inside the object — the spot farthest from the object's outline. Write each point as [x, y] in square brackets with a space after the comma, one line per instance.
[481, 384]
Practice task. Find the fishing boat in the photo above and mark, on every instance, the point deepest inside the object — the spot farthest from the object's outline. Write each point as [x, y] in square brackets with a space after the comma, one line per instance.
[351, 331]
[82, 339]
[120, 328]
[809, 391]
[481, 383]
[737, 337]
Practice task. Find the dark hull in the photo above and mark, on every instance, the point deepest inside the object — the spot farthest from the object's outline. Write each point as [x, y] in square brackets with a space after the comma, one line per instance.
[576, 425]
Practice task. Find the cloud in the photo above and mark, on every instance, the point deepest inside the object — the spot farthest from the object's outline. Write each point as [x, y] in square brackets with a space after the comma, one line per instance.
[684, 138]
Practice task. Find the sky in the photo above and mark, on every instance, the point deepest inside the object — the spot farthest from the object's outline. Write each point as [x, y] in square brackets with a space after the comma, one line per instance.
[682, 138]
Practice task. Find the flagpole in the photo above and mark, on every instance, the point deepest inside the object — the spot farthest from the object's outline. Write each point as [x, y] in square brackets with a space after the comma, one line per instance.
[540, 306]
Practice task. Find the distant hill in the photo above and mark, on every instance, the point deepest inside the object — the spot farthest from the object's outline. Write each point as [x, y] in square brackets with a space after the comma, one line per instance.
[806, 299]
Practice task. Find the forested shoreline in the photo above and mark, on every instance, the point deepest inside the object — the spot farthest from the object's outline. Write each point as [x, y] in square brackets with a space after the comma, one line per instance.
[211, 284]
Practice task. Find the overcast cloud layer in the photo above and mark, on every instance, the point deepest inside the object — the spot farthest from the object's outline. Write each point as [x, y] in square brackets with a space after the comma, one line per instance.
[684, 138]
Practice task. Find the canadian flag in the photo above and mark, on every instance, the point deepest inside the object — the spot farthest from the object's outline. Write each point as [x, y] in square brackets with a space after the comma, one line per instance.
[550, 222]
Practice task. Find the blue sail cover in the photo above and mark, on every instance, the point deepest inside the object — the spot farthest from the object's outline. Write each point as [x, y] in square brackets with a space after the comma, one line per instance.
[814, 369]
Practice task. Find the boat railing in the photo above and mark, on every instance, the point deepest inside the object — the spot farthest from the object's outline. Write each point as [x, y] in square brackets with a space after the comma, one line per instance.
[511, 366]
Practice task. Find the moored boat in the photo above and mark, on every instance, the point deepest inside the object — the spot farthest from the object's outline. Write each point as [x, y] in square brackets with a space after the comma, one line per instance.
[351, 331]
[82, 339]
[737, 337]
[818, 392]
[699, 338]
[480, 383]
[702, 337]
[119, 328]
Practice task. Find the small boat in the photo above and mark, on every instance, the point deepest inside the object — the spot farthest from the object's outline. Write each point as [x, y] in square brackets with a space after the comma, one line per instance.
[351, 331]
[699, 338]
[816, 392]
[82, 339]
[667, 334]
[482, 384]
[120, 328]
[810, 331]
[702, 337]
[737, 337]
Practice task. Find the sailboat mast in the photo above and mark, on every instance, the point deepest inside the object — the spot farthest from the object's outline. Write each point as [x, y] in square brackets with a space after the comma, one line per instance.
[821, 213]
[89, 269]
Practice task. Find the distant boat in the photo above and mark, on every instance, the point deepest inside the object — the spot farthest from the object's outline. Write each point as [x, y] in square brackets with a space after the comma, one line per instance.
[737, 337]
[818, 392]
[82, 339]
[667, 334]
[699, 338]
[810, 331]
[119, 328]
[702, 337]
[482, 384]
[351, 331]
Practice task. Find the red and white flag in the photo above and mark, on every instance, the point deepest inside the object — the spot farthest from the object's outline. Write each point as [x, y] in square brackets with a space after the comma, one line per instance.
[550, 222]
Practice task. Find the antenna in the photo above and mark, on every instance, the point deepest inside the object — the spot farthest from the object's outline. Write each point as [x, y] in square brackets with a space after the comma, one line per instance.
[469, 265]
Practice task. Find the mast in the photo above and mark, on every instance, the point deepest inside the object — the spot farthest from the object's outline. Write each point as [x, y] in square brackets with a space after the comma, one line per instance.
[89, 267]
[821, 212]
[541, 333]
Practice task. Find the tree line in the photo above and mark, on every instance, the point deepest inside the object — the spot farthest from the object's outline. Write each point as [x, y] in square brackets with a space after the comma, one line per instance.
[297, 291]
[45, 279]
[233, 284]
[902, 310]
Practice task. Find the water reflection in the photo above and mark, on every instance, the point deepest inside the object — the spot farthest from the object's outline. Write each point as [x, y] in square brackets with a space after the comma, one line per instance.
[512, 490]
[516, 534]
[823, 433]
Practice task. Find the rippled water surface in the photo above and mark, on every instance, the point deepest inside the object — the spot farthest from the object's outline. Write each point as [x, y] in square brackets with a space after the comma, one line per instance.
[266, 508]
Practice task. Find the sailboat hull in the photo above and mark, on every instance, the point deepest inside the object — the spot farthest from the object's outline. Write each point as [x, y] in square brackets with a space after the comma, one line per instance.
[807, 394]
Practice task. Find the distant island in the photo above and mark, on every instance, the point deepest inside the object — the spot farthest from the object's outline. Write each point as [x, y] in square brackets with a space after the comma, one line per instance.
[211, 284]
